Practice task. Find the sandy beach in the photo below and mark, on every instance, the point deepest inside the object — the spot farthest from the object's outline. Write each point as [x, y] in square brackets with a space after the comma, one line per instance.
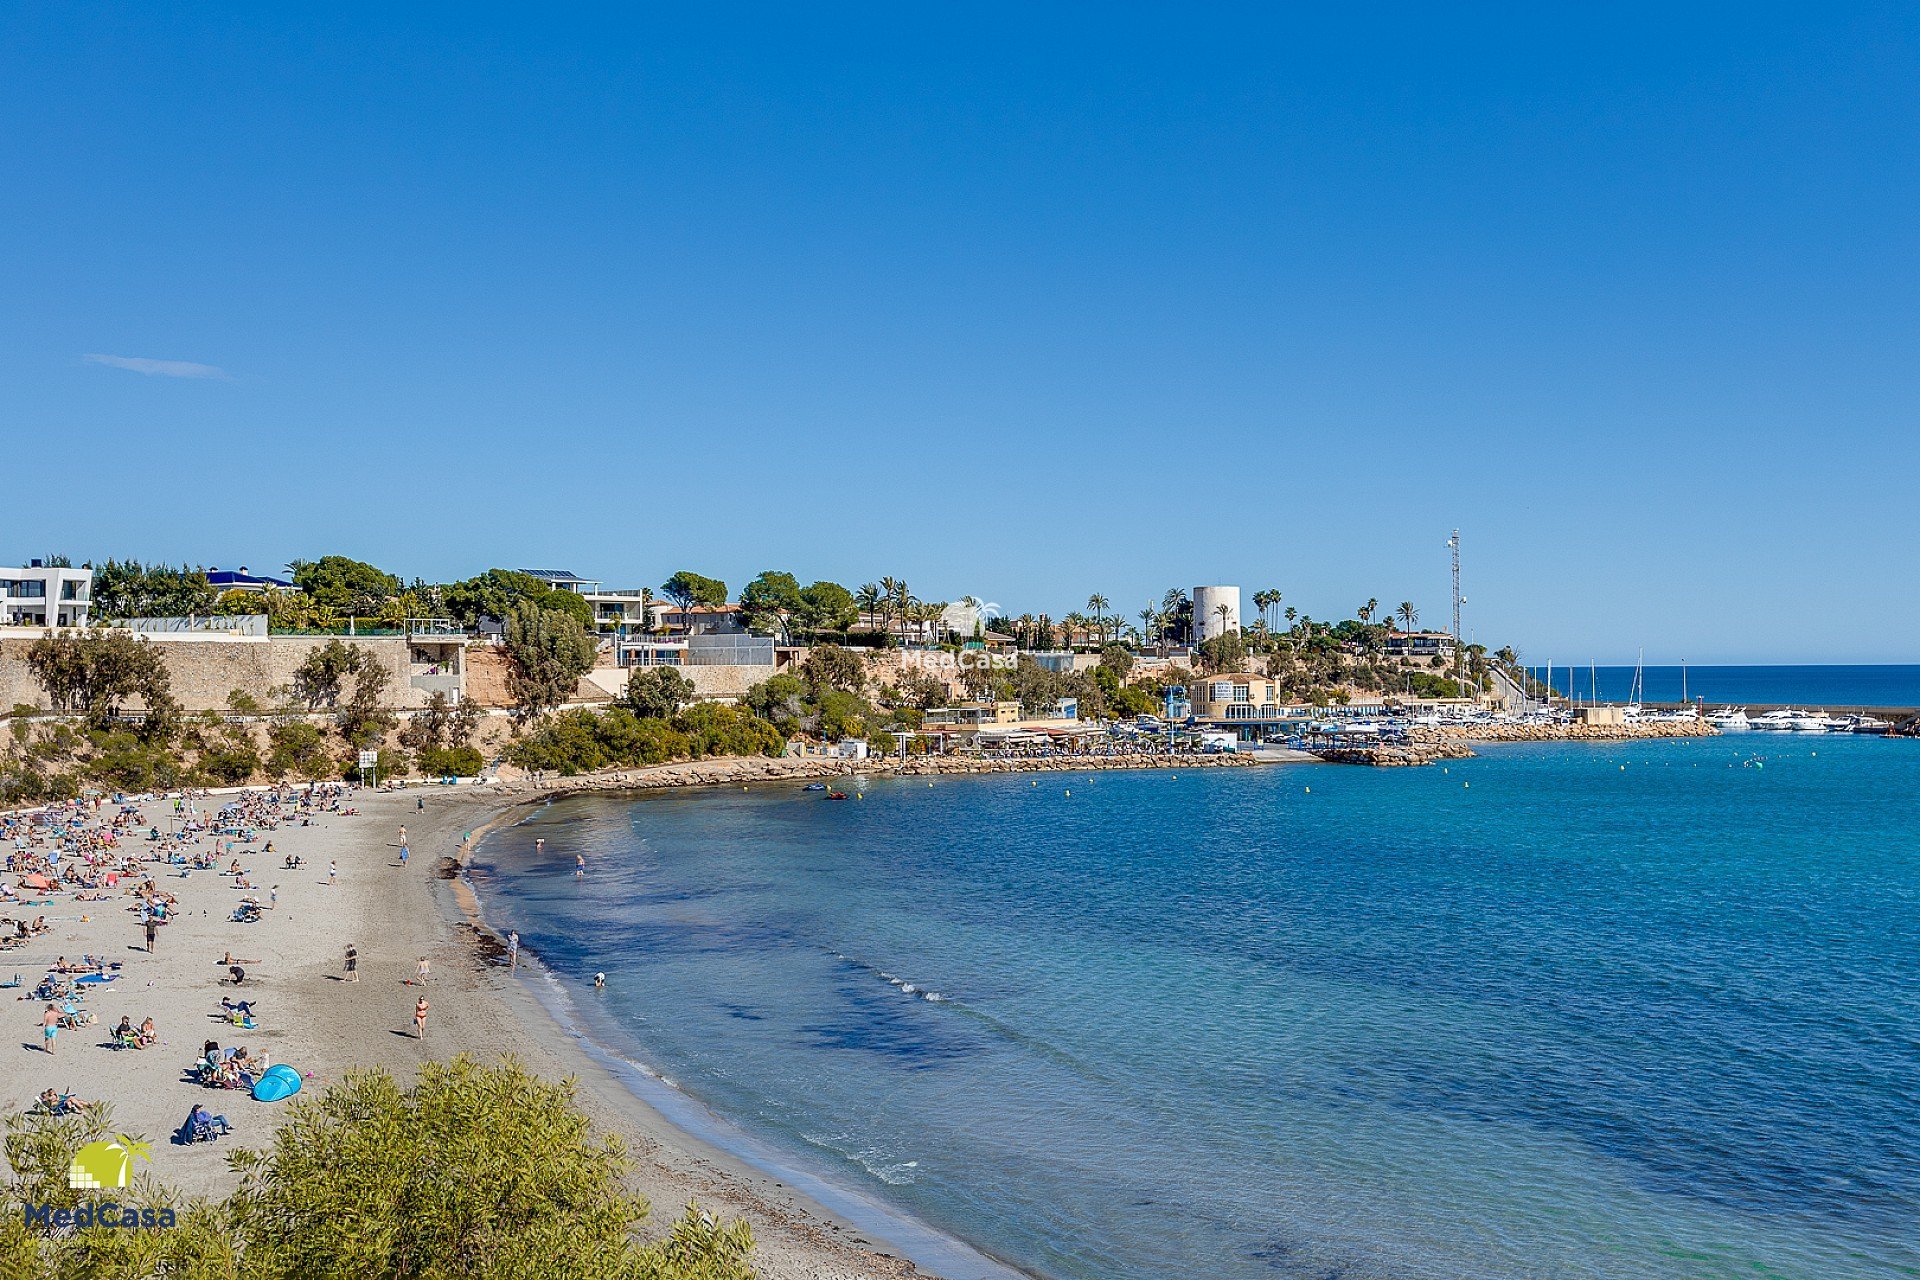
[313, 1019]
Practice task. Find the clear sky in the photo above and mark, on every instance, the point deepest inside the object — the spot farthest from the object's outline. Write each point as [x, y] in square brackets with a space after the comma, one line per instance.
[1024, 302]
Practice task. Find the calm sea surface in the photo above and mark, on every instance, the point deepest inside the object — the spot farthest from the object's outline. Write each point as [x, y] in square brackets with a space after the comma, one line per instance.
[1631, 1011]
[1812, 686]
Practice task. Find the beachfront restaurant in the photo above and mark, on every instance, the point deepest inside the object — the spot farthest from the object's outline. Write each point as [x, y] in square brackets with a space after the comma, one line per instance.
[1248, 706]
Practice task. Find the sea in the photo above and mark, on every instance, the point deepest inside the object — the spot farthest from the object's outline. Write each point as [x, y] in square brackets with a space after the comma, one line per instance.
[1585, 1010]
[1811, 687]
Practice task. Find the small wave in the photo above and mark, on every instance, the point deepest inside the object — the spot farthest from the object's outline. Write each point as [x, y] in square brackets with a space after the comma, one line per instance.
[913, 989]
[895, 1174]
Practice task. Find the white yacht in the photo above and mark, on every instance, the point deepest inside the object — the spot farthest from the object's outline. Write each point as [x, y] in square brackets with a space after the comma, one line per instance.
[1730, 720]
[1868, 724]
[1781, 721]
[1810, 722]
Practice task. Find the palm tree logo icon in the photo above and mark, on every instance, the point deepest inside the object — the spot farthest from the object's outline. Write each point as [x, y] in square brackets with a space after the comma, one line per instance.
[106, 1163]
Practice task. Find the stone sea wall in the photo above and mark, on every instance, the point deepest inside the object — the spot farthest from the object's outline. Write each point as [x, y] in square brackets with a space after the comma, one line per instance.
[205, 671]
[1558, 732]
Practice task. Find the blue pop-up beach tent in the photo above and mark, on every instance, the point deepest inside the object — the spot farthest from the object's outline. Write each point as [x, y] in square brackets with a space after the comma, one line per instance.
[277, 1083]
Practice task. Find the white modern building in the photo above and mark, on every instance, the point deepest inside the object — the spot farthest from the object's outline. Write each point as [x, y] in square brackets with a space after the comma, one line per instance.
[1207, 619]
[43, 595]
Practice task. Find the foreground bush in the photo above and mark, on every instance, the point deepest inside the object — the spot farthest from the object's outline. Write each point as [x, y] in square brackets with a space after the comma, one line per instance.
[482, 1171]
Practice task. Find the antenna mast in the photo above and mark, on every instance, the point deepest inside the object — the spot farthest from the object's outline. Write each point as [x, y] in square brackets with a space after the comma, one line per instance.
[1453, 544]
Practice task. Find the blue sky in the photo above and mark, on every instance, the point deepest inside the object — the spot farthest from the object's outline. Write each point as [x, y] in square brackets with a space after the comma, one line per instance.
[1023, 301]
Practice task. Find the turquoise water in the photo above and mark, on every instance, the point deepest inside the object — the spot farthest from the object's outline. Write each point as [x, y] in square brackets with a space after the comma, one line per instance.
[1564, 1010]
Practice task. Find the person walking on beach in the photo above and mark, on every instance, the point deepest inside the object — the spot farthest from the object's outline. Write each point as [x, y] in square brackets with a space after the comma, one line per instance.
[403, 853]
[421, 970]
[403, 835]
[333, 873]
[353, 963]
[153, 927]
[420, 1017]
[513, 949]
[49, 1027]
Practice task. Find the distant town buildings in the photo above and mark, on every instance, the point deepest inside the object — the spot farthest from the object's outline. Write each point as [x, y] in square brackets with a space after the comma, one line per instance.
[43, 595]
[1419, 644]
[224, 580]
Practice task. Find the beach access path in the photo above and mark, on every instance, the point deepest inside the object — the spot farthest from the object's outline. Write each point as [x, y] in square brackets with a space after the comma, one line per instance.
[313, 1019]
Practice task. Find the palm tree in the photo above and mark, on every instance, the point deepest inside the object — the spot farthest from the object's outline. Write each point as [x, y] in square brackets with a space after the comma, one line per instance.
[889, 595]
[1150, 622]
[903, 604]
[1225, 611]
[1367, 609]
[1098, 603]
[1408, 616]
[927, 614]
[867, 599]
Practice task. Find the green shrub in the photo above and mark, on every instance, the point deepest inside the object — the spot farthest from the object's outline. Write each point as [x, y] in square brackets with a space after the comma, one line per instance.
[458, 762]
[581, 741]
[298, 749]
[481, 1171]
[231, 764]
[715, 730]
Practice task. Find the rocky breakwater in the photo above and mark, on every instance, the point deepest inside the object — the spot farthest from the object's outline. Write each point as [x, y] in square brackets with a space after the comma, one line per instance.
[922, 766]
[743, 770]
[1397, 753]
[1575, 732]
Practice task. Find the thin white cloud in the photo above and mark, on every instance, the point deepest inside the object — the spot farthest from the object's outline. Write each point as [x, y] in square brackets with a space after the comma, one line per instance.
[159, 368]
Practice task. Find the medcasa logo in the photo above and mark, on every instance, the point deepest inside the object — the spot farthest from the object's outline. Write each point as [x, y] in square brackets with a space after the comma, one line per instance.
[99, 1166]
[106, 1163]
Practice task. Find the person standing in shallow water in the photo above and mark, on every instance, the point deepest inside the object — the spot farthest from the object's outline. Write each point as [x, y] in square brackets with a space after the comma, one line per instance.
[513, 948]
[579, 866]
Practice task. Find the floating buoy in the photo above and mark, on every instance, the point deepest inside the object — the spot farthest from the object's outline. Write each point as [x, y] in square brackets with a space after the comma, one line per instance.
[1623, 768]
[1465, 785]
[1069, 792]
[1309, 790]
